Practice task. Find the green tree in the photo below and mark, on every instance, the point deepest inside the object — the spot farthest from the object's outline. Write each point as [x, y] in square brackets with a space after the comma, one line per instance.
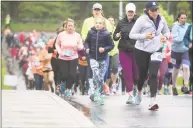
[185, 6]
[164, 13]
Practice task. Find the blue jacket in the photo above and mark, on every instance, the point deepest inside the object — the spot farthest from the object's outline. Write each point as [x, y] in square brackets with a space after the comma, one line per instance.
[178, 32]
[187, 35]
[96, 39]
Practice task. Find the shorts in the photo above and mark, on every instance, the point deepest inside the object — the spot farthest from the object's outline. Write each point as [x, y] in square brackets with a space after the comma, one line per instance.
[114, 64]
[178, 58]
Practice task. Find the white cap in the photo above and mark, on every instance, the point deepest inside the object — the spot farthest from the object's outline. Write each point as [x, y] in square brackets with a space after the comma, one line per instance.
[97, 6]
[130, 7]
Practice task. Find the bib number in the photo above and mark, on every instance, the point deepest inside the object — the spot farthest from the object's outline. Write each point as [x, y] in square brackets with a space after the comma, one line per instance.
[48, 66]
[157, 56]
[68, 52]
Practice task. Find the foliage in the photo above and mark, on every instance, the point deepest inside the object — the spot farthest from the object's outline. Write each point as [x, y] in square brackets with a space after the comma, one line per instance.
[57, 11]
[185, 6]
[165, 14]
[3, 73]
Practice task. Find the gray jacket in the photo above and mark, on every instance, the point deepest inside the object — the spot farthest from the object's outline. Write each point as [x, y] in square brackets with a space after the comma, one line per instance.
[144, 25]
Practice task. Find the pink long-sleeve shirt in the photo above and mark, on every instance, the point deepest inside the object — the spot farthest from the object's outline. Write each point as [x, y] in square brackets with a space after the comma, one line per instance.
[68, 45]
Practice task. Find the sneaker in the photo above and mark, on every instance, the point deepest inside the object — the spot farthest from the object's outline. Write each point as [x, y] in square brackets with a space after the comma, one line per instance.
[138, 99]
[101, 101]
[92, 97]
[153, 105]
[134, 91]
[184, 89]
[175, 92]
[97, 98]
[130, 100]
[166, 91]
[67, 94]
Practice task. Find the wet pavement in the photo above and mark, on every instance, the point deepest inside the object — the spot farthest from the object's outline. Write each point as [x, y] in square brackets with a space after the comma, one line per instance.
[174, 112]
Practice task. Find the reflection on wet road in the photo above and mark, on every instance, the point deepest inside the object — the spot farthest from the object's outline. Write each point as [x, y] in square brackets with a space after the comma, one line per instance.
[174, 112]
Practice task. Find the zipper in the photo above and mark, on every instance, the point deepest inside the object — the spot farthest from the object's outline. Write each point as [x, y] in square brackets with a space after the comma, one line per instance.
[97, 45]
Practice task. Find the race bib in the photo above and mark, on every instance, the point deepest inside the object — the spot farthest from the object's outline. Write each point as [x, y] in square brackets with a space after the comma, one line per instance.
[68, 52]
[48, 66]
[157, 56]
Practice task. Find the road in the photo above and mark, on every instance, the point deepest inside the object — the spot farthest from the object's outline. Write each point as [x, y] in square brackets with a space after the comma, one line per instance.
[174, 112]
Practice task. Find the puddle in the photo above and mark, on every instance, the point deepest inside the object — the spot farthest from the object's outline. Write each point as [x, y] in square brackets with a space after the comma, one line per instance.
[94, 113]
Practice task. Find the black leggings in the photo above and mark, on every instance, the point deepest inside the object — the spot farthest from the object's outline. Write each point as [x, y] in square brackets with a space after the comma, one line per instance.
[68, 71]
[84, 75]
[144, 64]
[56, 70]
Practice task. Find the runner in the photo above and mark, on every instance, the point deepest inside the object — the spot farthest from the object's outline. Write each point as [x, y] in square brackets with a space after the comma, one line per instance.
[97, 11]
[54, 60]
[188, 42]
[99, 44]
[147, 31]
[68, 43]
[126, 47]
[180, 51]
[114, 61]
[166, 50]
[48, 74]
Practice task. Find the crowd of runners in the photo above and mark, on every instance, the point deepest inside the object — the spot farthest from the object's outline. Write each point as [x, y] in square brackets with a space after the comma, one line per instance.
[138, 51]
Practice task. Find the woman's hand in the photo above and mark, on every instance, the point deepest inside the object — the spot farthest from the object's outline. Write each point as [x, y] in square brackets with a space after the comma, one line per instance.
[150, 36]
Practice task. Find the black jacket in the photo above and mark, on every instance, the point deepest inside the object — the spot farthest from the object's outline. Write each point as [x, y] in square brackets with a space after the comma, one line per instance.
[125, 43]
[96, 39]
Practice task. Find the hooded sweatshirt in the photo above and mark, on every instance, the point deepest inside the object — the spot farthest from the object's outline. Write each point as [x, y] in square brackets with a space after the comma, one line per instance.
[145, 25]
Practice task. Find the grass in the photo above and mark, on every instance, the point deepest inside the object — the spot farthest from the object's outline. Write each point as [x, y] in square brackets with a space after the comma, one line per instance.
[47, 27]
[3, 73]
[30, 26]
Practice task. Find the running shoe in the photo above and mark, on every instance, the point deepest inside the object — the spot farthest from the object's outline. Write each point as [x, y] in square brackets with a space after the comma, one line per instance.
[130, 100]
[166, 91]
[138, 99]
[67, 94]
[175, 92]
[153, 105]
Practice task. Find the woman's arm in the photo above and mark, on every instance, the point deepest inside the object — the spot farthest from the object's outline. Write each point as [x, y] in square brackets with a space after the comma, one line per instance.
[135, 31]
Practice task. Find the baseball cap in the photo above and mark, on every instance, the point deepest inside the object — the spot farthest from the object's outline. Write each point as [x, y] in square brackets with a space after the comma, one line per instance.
[152, 5]
[130, 7]
[97, 6]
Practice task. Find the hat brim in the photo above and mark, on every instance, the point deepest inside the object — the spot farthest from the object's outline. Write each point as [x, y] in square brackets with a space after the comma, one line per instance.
[97, 8]
[130, 10]
[154, 8]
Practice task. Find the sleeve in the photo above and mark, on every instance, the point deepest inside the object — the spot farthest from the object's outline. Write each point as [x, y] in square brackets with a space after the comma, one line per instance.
[80, 44]
[109, 27]
[58, 44]
[88, 40]
[176, 34]
[85, 29]
[110, 44]
[135, 31]
[187, 36]
[117, 30]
